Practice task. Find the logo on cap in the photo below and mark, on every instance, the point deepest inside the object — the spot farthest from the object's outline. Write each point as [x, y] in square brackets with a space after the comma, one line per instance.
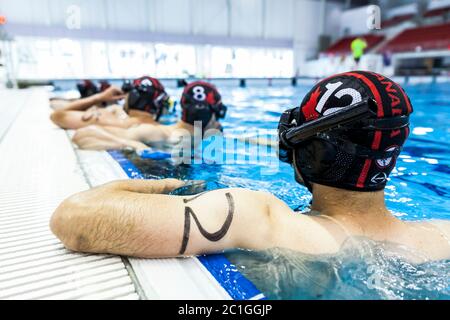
[386, 162]
[380, 177]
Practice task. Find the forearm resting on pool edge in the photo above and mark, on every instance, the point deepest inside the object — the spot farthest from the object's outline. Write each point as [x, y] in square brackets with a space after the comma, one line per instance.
[137, 218]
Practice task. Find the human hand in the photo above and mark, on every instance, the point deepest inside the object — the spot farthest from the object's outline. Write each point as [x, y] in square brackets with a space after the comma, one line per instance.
[112, 94]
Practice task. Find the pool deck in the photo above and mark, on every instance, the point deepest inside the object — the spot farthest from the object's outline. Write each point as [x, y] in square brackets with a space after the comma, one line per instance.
[39, 167]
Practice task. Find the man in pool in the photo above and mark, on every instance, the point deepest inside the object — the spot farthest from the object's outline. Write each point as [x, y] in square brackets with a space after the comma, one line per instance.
[343, 142]
[200, 102]
[86, 88]
[145, 101]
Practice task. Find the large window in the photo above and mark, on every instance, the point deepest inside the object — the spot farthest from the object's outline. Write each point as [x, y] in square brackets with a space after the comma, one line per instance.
[130, 60]
[40, 58]
[36, 58]
[175, 60]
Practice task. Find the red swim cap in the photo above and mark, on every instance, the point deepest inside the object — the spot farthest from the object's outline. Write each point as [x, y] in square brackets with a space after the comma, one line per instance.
[199, 101]
[353, 158]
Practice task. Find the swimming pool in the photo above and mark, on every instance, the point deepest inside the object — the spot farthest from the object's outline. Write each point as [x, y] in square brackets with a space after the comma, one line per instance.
[419, 186]
[419, 189]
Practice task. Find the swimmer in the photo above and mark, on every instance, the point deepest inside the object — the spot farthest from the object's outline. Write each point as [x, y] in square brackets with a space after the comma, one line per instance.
[145, 101]
[342, 142]
[86, 88]
[200, 102]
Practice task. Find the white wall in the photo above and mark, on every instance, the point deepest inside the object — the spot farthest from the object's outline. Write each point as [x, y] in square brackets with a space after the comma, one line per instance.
[355, 21]
[249, 18]
[307, 29]
[283, 23]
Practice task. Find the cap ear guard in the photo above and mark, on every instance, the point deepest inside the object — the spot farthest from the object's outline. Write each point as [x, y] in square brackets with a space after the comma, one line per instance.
[328, 160]
[321, 158]
[287, 121]
[133, 98]
[220, 110]
[127, 86]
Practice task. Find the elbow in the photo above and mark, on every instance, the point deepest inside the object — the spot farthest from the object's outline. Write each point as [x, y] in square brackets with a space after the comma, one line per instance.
[77, 138]
[82, 136]
[57, 117]
[68, 224]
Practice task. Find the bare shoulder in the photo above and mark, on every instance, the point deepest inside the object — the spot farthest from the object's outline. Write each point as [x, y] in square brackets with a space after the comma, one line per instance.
[261, 198]
[254, 204]
[256, 222]
[277, 213]
[264, 198]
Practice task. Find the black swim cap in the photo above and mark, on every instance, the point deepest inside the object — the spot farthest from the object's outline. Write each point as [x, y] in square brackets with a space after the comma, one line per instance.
[104, 84]
[147, 94]
[359, 154]
[87, 88]
[199, 101]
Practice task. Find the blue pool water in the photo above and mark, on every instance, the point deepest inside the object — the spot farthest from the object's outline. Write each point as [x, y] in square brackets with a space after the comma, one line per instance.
[419, 189]
[419, 186]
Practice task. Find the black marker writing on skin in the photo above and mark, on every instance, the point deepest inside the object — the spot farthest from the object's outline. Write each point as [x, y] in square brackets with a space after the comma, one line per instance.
[194, 197]
[215, 236]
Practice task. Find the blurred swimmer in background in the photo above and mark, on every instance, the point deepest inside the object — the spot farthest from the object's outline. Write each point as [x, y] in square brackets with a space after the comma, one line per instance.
[201, 104]
[145, 100]
[86, 88]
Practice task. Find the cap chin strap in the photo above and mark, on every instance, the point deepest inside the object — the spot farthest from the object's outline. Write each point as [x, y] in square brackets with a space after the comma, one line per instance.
[298, 174]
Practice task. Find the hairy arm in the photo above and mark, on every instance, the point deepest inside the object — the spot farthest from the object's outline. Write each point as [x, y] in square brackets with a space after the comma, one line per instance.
[136, 218]
[103, 138]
